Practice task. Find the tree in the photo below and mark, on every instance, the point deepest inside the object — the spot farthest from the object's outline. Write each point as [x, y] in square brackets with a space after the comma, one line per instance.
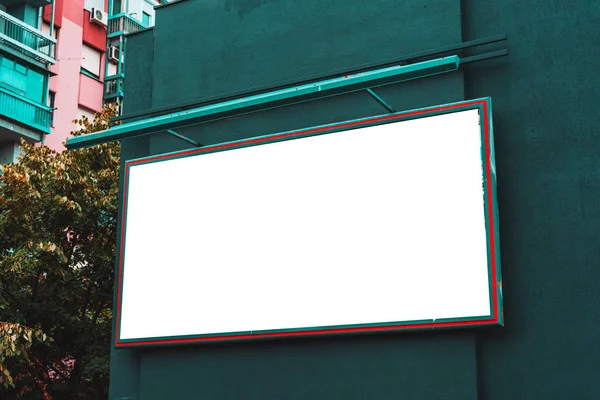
[58, 224]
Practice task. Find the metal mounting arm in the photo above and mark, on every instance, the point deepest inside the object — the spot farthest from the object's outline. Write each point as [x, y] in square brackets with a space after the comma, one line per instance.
[319, 89]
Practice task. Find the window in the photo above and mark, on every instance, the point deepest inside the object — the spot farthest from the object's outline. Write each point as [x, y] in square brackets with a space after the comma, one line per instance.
[51, 99]
[51, 104]
[13, 76]
[24, 81]
[90, 60]
[35, 86]
[112, 69]
[146, 19]
[116, 9]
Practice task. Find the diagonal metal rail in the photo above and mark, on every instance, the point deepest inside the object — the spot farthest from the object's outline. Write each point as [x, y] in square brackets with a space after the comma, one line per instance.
[320, 89]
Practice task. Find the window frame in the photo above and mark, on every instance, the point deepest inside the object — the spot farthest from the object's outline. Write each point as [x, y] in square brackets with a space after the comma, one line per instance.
[85, 70]
[149, 19]
[52, 105]
[9, 86]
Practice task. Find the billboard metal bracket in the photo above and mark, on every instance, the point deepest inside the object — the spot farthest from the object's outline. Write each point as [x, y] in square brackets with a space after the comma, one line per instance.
[184, 138]
[381, 101]
[410, 68]
[263, 101]
[454, 49]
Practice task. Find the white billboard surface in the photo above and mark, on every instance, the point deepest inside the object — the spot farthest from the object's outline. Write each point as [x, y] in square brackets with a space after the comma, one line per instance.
[378, 225]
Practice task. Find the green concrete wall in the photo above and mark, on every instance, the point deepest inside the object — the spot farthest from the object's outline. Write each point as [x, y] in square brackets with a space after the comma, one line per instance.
[545, 96]
[140, 50]
[234, 46]
[548, 161]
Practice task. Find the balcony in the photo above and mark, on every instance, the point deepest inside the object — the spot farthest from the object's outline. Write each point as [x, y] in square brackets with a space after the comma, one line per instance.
[121, 24]
[18, 35]
[34, 3]
[25, 111]
[113, 86]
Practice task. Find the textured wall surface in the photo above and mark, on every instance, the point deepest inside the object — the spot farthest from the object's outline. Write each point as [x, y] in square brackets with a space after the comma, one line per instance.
[73, 89]
[548, 157]
[91, 92]
[139, 64]
[66, 83]
[93, 34]
[234, 46]
[545, 96]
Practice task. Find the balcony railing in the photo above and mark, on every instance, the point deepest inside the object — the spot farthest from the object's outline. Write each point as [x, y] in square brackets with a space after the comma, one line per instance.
[28, 40]
[113, 86]
[25, 111]
[120, 24]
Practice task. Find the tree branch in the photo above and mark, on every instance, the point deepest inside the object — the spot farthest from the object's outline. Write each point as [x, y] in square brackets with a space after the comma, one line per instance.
[36, 283]
[97, 313]
[86, 301]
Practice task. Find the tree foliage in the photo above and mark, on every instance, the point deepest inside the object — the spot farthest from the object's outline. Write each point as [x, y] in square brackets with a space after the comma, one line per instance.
[58, 224]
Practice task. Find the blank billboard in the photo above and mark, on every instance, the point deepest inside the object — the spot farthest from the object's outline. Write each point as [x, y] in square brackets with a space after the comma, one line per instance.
[385, 223]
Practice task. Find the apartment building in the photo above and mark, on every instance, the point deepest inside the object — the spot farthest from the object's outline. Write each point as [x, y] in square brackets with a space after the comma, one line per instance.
[125, 16]
[27, 57]
[58, 61]
[90, 57]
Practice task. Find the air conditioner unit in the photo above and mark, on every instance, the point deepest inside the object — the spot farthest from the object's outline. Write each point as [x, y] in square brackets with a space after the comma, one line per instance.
[98, 17]
[113, 54]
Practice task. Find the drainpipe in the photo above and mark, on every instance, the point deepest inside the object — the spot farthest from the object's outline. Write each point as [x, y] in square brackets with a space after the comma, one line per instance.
[47, 80]
[46, 97]
[110, 14]
[52, 22]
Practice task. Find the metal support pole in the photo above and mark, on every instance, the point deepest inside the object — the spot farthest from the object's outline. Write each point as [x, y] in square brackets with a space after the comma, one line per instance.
[47, 77]
[119, 66]
[52, 21]
[109, 12]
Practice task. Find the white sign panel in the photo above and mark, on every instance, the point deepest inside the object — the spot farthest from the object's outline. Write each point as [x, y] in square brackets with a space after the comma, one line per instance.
[375, 228]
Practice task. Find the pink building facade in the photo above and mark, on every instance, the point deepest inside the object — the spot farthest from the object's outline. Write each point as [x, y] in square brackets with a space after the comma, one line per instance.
[84, 73]
[77, 87]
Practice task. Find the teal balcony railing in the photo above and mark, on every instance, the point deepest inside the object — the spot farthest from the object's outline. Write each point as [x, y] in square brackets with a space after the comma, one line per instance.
[113, 86]
[25, 111]
[26, 39]
[120, 24]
